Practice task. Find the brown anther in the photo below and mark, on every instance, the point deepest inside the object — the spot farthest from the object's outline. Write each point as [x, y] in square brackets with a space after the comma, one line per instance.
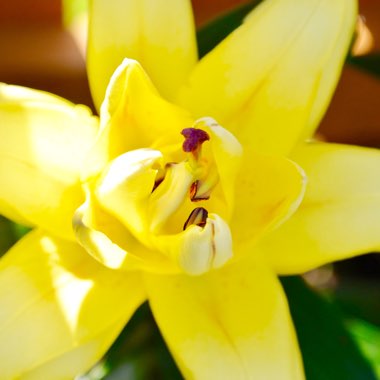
[197, 217]
[194, 193]
[193, 190]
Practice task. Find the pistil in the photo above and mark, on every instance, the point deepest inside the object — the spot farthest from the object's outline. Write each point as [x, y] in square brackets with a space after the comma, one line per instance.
[194, 138]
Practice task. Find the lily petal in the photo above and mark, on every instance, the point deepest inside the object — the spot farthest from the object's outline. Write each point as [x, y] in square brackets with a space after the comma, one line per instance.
[43, 142]
[340, 214]
[158, 33]
[67, 365]
[268, 191]
[59, 306]
[110, 242]
[232, 323]
[227, 153]
[270, 81]
[134, 115]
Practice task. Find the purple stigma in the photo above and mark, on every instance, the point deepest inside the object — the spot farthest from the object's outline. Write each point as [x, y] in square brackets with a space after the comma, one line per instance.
[193, 139]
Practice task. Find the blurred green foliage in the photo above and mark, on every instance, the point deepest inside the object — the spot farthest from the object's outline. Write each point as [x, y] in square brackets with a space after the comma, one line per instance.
[328, 348]
[9, 233]
[369, 63]
[367, 336]
[214, 32]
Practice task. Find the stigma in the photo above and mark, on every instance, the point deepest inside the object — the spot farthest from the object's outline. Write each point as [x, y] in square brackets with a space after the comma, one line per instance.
[194, 138]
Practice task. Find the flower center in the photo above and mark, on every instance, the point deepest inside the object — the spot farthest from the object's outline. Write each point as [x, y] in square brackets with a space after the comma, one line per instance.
[154, 198]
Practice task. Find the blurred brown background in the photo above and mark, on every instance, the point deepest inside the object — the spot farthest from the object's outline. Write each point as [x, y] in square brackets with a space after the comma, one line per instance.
[36, 51]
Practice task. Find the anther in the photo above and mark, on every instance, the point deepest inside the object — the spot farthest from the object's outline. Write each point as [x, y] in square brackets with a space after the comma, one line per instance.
[197, 217]
[196, 195]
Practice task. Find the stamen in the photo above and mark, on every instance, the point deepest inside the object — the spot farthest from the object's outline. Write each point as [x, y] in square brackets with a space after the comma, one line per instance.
[194, 138]
[196, 195]
[200, 250]
[198, 217]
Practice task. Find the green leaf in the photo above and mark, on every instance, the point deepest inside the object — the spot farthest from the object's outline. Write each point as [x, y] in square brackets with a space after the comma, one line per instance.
[328, 350]
[9, 233]
[215, 31]
[367, 336]
[7, 238]
[369, 63]
[358, 296]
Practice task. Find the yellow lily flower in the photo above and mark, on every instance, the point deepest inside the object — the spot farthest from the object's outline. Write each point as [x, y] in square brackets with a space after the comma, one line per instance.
[190, 205]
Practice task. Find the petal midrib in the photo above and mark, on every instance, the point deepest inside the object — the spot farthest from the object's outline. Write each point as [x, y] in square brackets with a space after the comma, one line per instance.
[270, 69]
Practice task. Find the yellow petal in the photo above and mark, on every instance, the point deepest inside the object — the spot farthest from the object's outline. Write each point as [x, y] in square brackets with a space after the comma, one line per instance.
[158, 33]
[125, 186]
[43, 143]
[227, 153]
[111, 243]
[134, 115]
[268, 191]
[232, 323]
[339, 216]
[60, 309]
[67, 365]
[168, 198]
[271, 80]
